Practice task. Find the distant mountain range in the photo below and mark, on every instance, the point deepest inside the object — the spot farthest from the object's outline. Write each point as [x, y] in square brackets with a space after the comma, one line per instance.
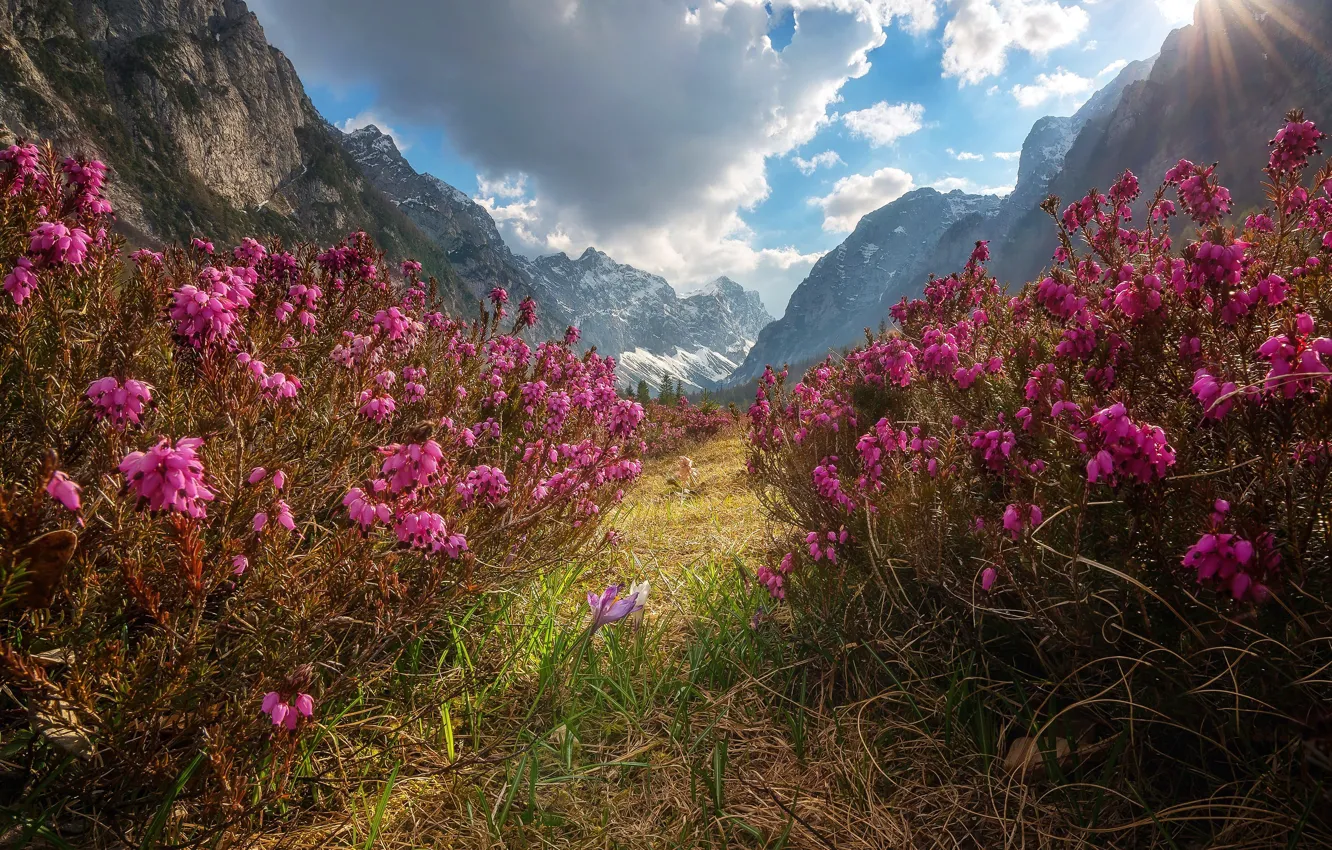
[623, 311]
[208, 130]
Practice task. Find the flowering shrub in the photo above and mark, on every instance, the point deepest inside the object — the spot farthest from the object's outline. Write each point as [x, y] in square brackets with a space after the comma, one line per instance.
[669, 427]
[263, 511]
[1123, 464]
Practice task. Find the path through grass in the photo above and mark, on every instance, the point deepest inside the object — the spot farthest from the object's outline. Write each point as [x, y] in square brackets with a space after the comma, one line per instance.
[692, 730]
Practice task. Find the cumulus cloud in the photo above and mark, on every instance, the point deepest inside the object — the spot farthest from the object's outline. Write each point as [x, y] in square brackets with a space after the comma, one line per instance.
[1007, 156]
[966, 156]
[508, 186]
[639, 126]
[978, 38]
[884, 123]
[948, 184]
[368, 118]
[1113, 68]
[853, 196]
[1057, 86]
[827, 159]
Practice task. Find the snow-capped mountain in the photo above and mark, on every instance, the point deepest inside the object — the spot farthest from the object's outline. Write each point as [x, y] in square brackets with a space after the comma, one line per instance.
[621, 310]
[894, 249]
[699, 339]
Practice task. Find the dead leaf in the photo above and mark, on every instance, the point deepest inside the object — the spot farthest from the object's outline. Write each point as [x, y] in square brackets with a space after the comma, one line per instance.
[58, 723]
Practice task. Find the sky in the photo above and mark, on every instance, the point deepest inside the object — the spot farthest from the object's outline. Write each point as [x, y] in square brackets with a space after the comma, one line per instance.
[696, 138]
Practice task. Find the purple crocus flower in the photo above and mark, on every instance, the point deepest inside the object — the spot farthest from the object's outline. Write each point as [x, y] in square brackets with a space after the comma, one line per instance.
[609, 607]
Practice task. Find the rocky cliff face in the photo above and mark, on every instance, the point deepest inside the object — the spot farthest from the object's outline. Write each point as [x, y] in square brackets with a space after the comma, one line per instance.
[206, 127]
[894, 249]
[621, 310]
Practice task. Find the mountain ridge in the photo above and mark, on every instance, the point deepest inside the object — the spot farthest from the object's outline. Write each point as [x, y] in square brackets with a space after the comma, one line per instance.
[623, 311]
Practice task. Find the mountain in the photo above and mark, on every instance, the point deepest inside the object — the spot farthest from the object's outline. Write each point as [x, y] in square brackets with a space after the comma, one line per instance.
[699, 339]
[459, 225]
[1217, 92]
[623, 311]
[894, 249]
[853, 285]
[205, 126]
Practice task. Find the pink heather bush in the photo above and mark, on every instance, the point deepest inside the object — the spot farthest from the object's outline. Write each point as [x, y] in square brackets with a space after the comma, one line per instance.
[156, 401]
[1122, 463]
[667, 429]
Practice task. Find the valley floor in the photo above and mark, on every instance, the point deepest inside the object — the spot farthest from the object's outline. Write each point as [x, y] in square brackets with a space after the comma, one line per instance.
[697, 729]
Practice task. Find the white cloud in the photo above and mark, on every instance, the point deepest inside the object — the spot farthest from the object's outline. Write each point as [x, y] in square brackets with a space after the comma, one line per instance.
[948, 184]
[1113, 68]
[508, 186]
[1007, 156]
[1058, 86]
[1091, 45]
[884, 123]
[368, 117]
[858, 194]
[640, 132]
[967, 156]
[827, 159]
[1177, 12]
[978, 38]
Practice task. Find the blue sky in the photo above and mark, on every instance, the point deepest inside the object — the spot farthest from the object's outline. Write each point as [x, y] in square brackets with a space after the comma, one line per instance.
[679, 138]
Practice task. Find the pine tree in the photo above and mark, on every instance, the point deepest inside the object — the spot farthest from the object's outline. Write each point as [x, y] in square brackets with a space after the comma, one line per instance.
[667, 393]
[644, 395]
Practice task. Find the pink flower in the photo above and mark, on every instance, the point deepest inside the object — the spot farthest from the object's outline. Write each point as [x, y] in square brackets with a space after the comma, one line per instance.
[1294, 144]
[64, 490]
[256, 475]
[376, 408]
[260, 520]
[1122, 448]
[169, 477]
[363, 511]
[56, 243]
[988, 575]
[279, 480]
[25, 159]
[284, 713]
[1217, 398]
[486, 483]
[411, 466]
[239, 565]
[284, 517]
[119, 404]
[1296, 359]
[21, 281]
[209, 311]
[426, 530]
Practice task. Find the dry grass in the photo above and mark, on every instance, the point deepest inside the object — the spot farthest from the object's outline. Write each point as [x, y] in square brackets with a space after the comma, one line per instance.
[622, 745]
[642, 775]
